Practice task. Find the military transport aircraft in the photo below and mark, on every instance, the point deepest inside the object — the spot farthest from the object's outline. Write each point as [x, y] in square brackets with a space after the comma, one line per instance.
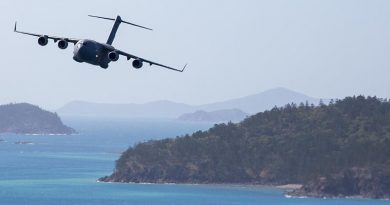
[95, 53]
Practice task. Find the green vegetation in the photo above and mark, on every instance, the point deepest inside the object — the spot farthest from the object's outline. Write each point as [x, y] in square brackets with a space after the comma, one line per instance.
[23, 118]
[293, 144]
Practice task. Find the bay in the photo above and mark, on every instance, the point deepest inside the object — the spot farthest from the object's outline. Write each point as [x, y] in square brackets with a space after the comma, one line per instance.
[55, 169]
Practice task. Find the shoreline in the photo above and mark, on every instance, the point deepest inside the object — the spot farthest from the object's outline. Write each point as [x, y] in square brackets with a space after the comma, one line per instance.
[285, 188]
[289, 195]
[282, 187]
[290, 186]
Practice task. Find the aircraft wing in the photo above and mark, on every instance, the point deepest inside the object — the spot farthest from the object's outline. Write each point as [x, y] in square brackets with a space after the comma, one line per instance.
[55, 38]
[130, 56]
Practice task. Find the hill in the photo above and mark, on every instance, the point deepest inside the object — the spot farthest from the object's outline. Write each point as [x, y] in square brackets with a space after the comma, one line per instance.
[262, 101]
[233, 115]
[294, 144]
[166, 109]
[24, 118]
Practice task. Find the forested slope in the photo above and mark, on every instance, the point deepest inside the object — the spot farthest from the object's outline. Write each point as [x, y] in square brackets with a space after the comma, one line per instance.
[294, 144]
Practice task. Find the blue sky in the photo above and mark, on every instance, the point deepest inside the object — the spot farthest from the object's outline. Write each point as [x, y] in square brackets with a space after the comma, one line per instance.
[325, 49]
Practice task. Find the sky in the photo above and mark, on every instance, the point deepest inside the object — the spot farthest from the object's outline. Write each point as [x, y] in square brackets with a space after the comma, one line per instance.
[325, 49]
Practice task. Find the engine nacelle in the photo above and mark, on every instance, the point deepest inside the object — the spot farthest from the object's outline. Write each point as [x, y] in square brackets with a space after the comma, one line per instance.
[43, 40]
[113, 56]
[62, 44]
[137, 63]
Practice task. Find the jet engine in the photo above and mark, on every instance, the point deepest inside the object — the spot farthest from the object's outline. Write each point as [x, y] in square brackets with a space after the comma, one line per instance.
[137, 63]
[43, 40]
[62, 44]
[113, 56]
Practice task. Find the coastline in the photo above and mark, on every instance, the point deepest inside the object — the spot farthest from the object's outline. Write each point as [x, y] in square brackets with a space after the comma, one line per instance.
[285, 187]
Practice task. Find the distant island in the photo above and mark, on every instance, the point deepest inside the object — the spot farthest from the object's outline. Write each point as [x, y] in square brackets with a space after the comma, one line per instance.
[24, 118]
[335, 150]
[233, 115]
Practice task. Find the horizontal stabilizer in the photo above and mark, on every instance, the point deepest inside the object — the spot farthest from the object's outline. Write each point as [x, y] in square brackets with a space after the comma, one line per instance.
[119, 18]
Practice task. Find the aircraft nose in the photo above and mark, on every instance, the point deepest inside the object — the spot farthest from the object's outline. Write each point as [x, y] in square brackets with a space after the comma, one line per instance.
[78, 49]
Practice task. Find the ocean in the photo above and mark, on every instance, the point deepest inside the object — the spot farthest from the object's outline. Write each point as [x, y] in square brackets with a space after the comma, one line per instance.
[63, 170]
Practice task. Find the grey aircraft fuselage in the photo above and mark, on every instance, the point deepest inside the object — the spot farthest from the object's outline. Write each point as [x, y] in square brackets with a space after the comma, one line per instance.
[95, 53]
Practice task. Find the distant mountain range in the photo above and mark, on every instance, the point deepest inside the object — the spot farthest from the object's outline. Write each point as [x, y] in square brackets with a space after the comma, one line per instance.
[262, 101]
[166, 109]
[158, 109]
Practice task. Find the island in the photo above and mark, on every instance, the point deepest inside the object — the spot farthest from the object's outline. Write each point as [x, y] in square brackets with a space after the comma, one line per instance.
[339, 149]
[218, 116]
[24, 118]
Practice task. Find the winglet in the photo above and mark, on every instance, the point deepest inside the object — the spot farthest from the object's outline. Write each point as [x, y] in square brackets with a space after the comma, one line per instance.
[184, 67]
[15, 27]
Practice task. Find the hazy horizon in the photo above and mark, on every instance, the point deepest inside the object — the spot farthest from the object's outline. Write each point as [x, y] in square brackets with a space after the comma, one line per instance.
[172, 101]
[323, 49]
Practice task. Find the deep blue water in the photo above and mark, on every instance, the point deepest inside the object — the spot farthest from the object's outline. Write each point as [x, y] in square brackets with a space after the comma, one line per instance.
[64, 169]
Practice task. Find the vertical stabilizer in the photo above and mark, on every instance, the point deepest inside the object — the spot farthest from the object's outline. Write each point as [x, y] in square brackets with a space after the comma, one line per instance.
[111, 38]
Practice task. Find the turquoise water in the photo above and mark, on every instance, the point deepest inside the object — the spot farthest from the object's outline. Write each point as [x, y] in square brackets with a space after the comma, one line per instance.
[63, 170]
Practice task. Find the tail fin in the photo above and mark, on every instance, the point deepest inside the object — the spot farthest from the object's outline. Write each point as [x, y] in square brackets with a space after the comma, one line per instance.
[118, 21]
